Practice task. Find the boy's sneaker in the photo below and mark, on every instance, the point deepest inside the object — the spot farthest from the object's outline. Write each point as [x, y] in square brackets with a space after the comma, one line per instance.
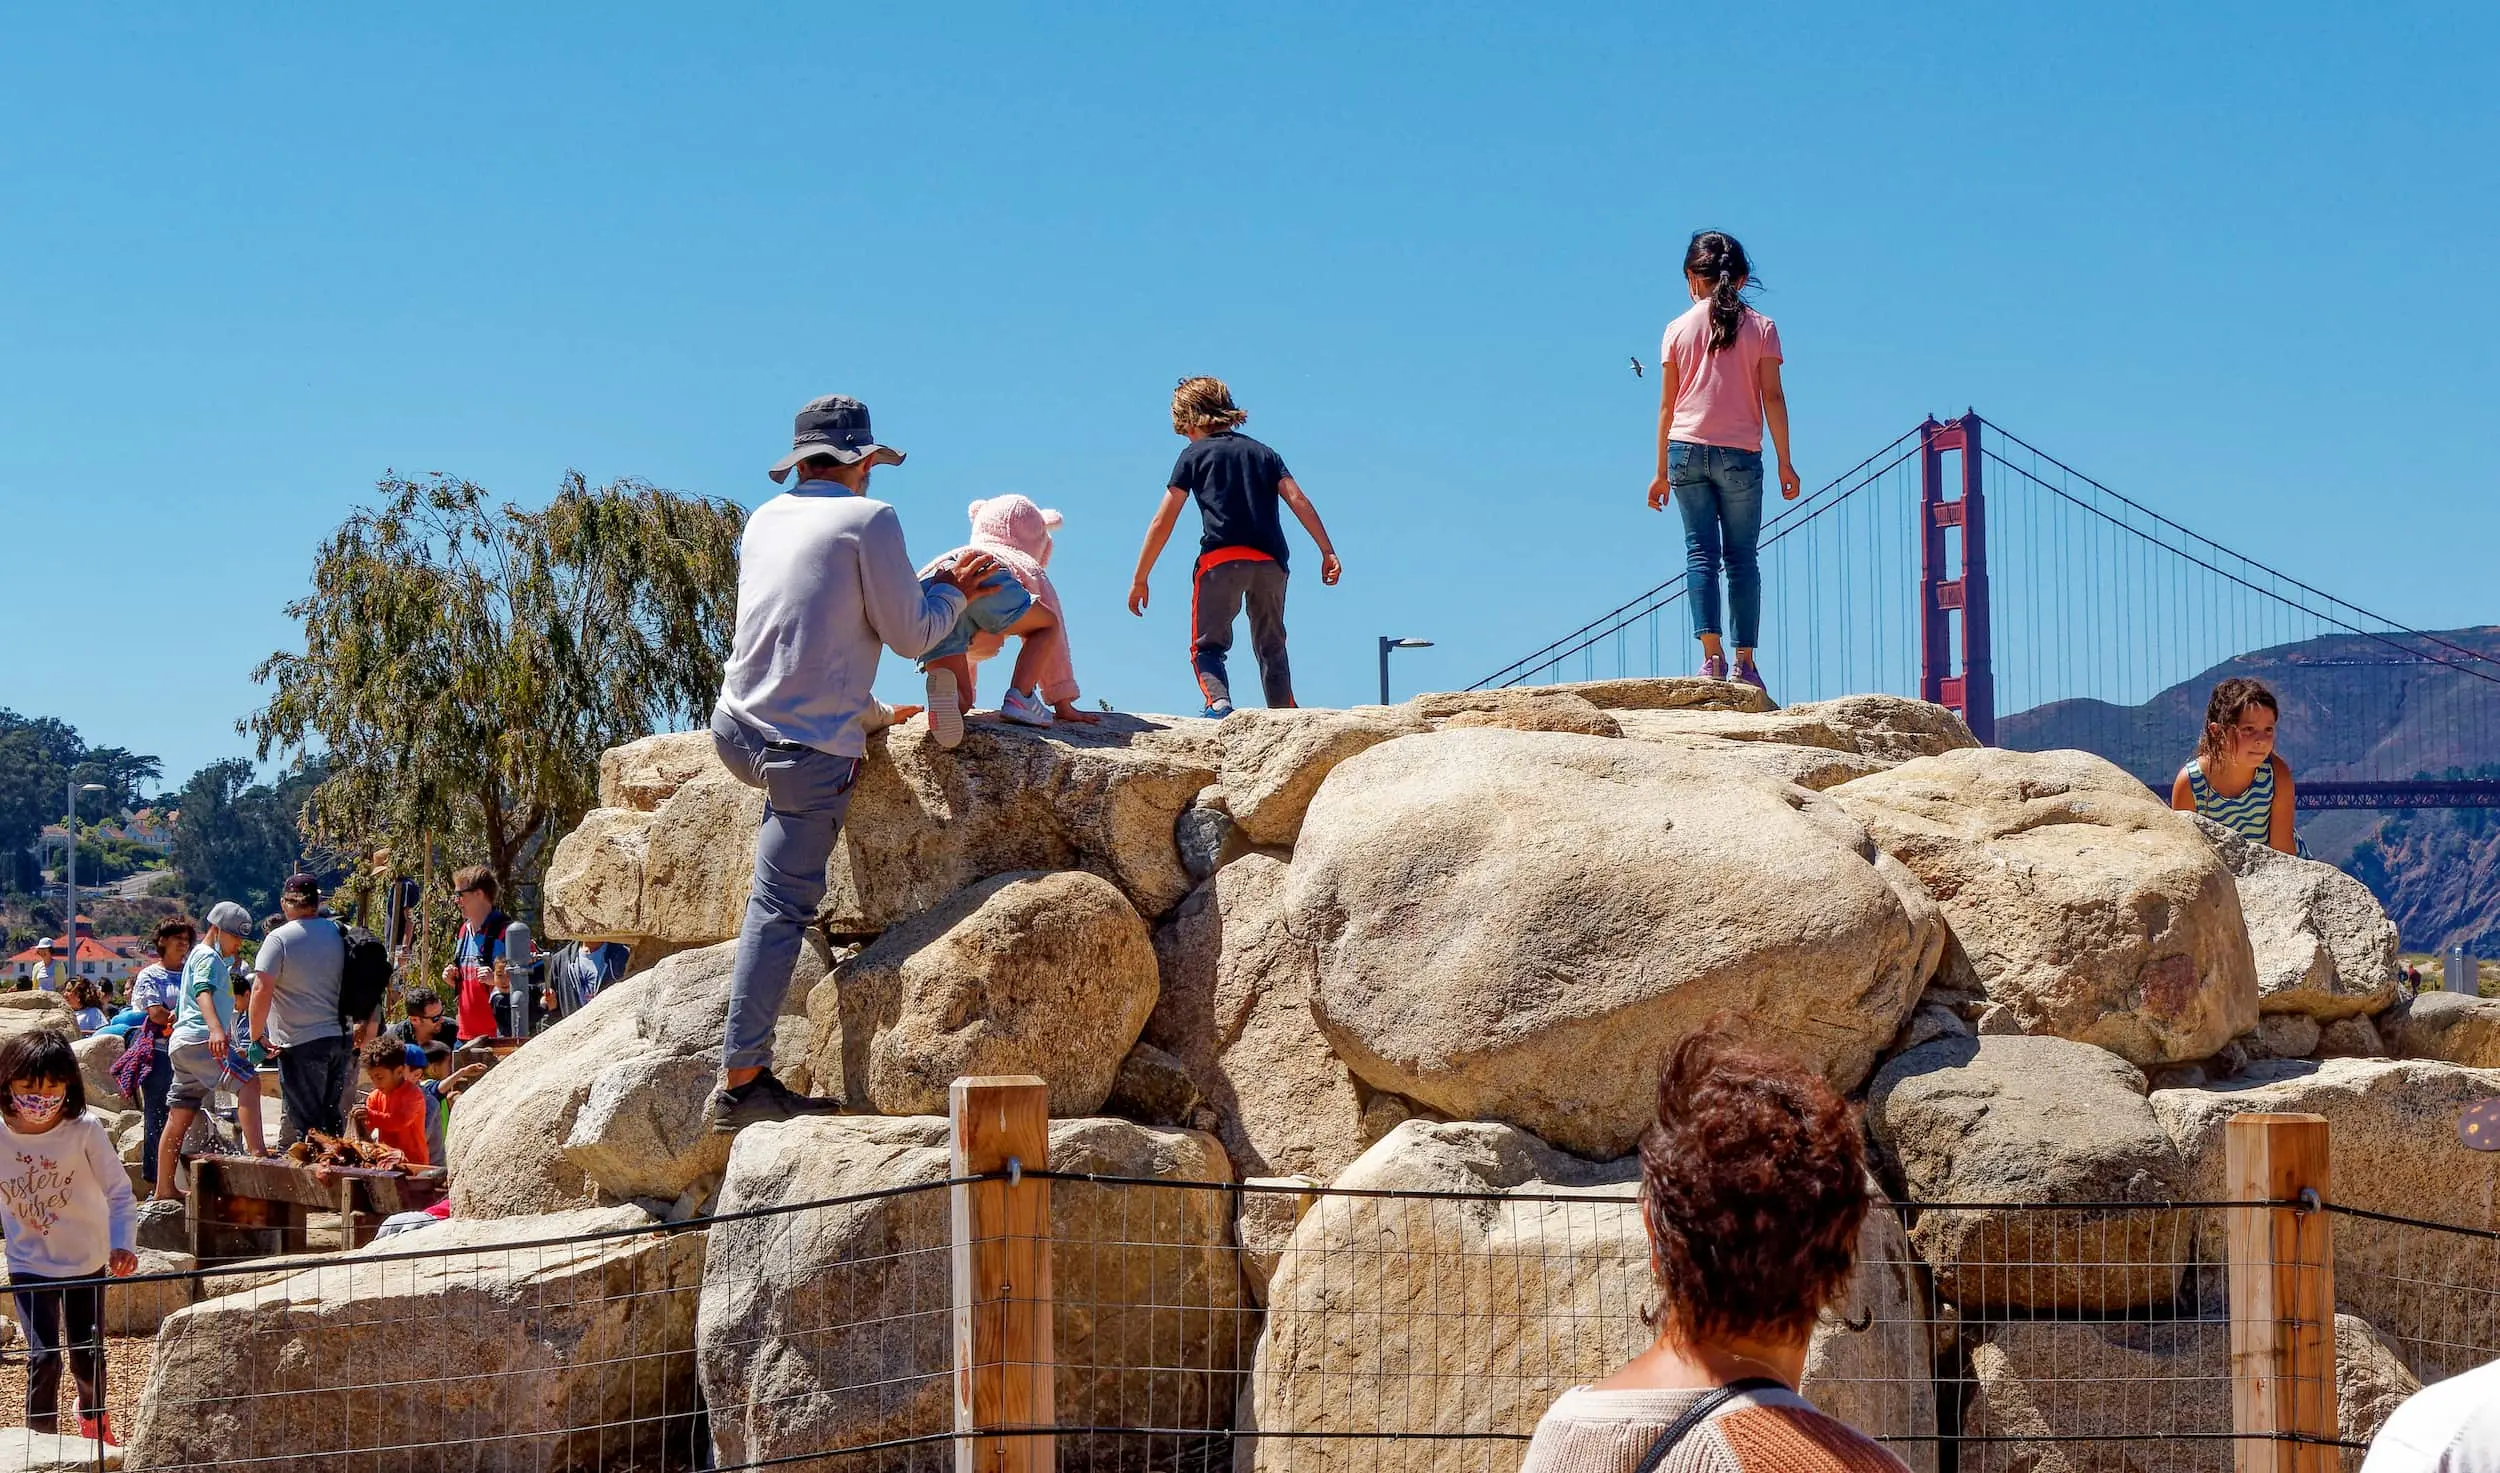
[946, 713]
[1025, 710]
[759, 1100]
[1749, 674]
[1217, 710]
[98, 1428]
[1714, 667]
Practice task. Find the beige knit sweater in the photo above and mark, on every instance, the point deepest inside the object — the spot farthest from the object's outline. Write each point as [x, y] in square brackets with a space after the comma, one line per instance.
[1768, 1431]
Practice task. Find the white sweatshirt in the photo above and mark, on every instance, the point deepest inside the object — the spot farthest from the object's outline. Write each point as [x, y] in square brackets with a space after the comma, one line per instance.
[822, 581]
[64, 1199]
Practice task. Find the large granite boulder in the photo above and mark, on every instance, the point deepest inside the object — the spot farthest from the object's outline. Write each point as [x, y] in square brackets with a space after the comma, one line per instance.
[1030, 973]
[1554, 1281]
[2392, 1148]
[1275, 760]
[2077, 900]
[546, 1344]
[1527, 708]
[1884, 730]
[2158, 1392]
[607, 1105]
[2322, 944]
[2016, 1119]
[668, 857]
[138, 1306]
[97, 1053]
[1235, 1010]
[1491, 910]
[1629, 693]
[830, 1327]
[2453, 1026]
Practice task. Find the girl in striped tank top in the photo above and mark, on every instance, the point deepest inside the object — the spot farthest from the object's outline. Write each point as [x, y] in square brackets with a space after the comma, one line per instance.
[2236, 778]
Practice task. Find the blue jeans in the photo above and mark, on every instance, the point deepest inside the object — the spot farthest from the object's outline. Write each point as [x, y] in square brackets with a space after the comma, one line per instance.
[994, 610]
[806, 794]
[1720, 493]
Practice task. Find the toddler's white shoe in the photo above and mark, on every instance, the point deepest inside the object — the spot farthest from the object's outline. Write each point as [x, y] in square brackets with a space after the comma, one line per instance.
[1025, 710]
[946, 713]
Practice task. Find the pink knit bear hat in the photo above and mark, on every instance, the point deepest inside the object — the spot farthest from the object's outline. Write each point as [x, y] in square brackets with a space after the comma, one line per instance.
[1015, 524]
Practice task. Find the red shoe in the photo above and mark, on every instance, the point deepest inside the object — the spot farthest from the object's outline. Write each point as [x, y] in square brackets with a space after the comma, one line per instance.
[98, 1428]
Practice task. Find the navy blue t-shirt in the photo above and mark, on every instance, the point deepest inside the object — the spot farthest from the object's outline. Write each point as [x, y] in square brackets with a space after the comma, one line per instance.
[1234, 479]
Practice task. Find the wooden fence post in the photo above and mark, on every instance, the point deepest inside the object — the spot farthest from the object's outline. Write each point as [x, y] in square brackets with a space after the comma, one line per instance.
[1003, 1357]
[2282, 1293]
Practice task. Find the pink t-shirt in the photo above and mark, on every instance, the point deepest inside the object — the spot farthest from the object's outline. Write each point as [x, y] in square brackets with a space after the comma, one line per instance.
[1718, 396]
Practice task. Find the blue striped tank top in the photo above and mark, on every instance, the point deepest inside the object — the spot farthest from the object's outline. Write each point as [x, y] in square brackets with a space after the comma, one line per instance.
[2251, 813]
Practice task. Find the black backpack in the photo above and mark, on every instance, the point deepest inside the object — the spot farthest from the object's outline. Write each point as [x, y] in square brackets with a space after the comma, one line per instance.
[366, 978]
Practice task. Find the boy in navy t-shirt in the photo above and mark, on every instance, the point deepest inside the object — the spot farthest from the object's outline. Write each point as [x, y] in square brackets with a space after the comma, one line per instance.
[1237, 483]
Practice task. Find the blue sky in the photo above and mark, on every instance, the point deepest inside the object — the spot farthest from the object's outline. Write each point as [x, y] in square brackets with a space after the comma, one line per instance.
[2234, 260]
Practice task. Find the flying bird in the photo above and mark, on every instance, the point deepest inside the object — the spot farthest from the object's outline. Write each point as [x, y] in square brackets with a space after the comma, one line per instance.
[1636, 369]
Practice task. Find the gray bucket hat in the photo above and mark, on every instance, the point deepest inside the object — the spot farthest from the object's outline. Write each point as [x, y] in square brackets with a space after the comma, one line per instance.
[836, 427]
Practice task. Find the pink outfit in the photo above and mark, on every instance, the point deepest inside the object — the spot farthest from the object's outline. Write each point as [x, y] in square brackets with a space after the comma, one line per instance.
[1718, 396]
[1017, 533]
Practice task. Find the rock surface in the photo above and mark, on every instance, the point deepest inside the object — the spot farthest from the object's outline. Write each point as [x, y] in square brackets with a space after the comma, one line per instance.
[2322, 945]
[2076, 899]
[2445, 1025]
[1528, 710]
[671, 862]
[1635, 693]
[591, 1339]
[2392, 1147]
[1886, 730]
[1555, 1289]
[831, 1327]
[1490, 909]
[2021, 1119]
[97, 1053]
[1235, 1010]
[526, 1139]
[1026, 973]
[1275, 760]
[2141, 1385]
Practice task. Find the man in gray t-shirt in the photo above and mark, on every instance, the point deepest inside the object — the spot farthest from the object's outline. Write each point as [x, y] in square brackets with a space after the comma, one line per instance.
[295, 1010]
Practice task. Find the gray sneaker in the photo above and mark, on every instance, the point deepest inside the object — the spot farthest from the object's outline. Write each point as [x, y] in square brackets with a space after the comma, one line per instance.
[761, 1099]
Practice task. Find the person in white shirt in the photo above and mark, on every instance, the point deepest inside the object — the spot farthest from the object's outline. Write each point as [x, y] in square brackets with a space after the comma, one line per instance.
[823, 583]
[68, 1212]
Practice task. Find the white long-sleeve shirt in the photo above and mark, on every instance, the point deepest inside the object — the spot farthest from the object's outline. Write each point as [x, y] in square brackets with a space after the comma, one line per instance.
[65, 1199]
[823, 580]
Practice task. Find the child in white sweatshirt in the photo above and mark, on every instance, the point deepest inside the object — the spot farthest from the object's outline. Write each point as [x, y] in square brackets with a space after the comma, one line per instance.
[66, 1204]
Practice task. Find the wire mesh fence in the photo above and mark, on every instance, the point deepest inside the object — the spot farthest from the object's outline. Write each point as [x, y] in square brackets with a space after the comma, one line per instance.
[1265, 1327]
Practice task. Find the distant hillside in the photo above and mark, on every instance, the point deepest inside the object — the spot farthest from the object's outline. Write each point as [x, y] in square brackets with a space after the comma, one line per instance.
[2353, 709]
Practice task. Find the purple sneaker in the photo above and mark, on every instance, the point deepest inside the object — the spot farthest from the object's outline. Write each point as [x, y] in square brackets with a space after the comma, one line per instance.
[1714, 667]
[1747, 672]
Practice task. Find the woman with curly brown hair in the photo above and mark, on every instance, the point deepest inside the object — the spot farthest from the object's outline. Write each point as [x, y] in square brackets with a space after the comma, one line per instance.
[1753, 1186]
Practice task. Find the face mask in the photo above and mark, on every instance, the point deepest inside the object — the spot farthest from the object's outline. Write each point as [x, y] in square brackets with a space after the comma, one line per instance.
[35, 1109]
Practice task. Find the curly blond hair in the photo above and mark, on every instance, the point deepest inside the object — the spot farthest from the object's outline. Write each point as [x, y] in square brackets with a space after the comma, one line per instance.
[1204, 404]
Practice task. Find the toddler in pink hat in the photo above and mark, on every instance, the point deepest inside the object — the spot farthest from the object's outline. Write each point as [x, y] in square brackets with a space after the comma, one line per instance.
[1022, 602]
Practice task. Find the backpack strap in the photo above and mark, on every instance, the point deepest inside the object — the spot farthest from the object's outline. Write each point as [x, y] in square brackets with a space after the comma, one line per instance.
[1698, 1413]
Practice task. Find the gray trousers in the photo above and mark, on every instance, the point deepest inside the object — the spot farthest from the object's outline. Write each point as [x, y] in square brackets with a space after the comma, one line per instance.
[1216, 598]
[806, 794]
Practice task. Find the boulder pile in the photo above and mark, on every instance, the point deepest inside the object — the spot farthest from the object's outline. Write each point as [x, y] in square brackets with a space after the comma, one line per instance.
[1442, 948]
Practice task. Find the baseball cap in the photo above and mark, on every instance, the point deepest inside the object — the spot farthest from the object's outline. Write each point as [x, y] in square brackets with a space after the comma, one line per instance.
[302, 887]
[836, 427]
[230, 918]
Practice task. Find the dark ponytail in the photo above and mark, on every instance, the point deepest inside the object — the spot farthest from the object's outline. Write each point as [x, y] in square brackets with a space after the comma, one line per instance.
[1716, 258]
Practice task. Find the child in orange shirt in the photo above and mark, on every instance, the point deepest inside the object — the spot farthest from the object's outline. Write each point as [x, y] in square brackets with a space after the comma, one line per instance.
[394, 1113]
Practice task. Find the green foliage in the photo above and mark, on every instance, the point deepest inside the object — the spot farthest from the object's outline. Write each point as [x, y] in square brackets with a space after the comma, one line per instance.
[238, 839]
[38, 758]
[464, 664]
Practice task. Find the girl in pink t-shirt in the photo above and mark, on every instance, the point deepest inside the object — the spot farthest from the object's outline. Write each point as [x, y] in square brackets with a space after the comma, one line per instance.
[1719, 380]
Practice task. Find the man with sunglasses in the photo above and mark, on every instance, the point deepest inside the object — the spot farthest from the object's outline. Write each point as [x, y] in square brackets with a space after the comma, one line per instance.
[478, 970]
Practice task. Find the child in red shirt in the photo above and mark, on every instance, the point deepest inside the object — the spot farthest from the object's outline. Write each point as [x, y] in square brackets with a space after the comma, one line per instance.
[394, 1113]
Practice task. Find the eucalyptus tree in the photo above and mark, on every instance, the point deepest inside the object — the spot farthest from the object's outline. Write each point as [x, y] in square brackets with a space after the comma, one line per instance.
[464, 663]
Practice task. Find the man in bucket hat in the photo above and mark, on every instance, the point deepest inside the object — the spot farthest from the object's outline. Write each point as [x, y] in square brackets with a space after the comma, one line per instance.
[823, 581]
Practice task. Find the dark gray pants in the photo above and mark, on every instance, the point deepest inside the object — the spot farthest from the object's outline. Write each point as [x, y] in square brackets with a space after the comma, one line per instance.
[312, 1079]
[806, 794]
[1221, 591]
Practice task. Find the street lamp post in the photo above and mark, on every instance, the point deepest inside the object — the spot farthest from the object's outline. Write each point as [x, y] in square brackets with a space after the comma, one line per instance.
[69, 869]
[1387, 644]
